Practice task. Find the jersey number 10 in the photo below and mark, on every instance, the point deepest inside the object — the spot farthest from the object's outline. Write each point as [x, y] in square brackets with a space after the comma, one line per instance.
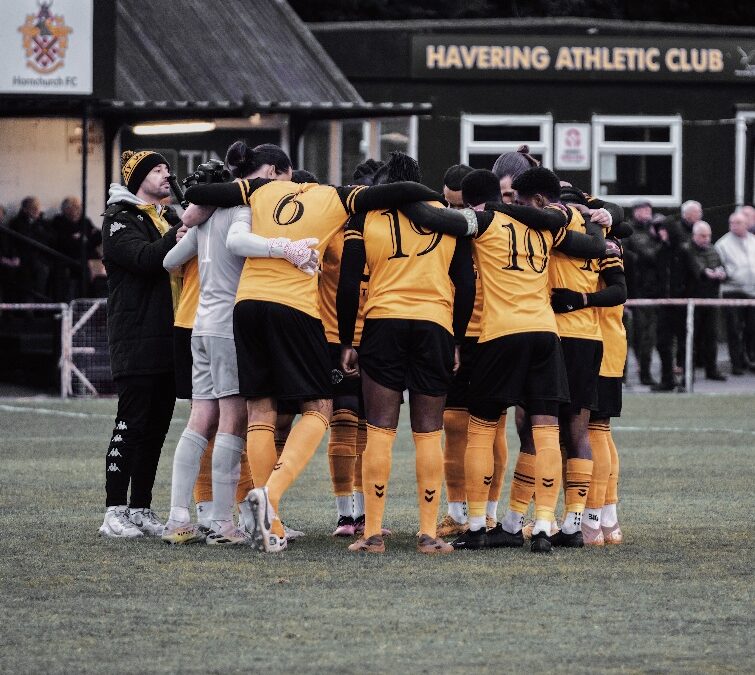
[532, 238]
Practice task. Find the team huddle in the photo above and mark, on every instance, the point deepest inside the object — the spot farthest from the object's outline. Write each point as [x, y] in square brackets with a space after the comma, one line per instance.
[506, 292]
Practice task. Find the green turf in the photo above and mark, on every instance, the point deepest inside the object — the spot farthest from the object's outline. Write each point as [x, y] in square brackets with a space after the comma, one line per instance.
[677, 596]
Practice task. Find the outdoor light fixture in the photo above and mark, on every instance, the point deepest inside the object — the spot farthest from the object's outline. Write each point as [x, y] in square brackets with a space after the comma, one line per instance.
[159, 128]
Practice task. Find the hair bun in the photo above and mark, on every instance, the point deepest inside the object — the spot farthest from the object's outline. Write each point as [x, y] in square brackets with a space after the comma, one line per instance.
[524, 149]
[126, 155]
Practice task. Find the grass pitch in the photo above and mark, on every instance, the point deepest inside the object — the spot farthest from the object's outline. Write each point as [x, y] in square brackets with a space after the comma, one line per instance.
[677, 596]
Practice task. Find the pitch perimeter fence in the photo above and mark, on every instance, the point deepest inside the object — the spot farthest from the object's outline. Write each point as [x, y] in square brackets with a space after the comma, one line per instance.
[85, 363]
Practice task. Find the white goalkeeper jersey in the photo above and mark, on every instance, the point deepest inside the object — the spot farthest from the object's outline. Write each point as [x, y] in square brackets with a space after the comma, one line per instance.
[219, 269]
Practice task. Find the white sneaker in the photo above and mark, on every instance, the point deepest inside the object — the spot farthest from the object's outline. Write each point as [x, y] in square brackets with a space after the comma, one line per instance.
[147, 521]
[226, 535]
[117, 525]
[264, 514]
[291, 533]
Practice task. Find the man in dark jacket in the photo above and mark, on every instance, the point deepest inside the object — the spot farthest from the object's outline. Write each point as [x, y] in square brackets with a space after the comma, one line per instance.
[709, 275]
[136, 234]
[642, 248]
[677, 272]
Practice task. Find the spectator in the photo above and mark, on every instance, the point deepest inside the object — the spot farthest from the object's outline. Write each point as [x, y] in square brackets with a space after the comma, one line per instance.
[676, 276]
[690, 212]
[67, 227]
[707, 284]
[737, 252]
[749, 212]
[9, 264]
[643, 246]
[32, 279]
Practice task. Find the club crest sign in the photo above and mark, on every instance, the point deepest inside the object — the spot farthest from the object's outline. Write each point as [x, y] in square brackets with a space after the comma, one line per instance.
[45, 39]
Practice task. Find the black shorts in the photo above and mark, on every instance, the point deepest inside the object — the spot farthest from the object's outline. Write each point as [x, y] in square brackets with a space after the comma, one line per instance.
[281, 351]
[458, 392]
[524, 369]
[609, 398]
[408, 354]
[182, 361]
[582, 358]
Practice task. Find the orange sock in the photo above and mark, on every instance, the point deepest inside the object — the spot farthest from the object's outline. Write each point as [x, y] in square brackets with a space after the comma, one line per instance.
[361, 445]
[500, 460]
[376, 470]
[601, 466]
[478, 465]
[300, 446]
[246, 482]
[260, 450]
[612, 489]
[203, 484]
[523, 483]
[547, 470]
[342, 451]
[455, 423]
[429, 470]
[578, 475]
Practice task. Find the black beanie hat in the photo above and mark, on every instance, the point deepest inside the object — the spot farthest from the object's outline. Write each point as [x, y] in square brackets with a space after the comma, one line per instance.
[136, 165]
[454, 175]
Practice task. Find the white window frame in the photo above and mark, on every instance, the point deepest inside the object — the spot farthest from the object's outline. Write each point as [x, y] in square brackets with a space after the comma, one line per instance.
[740, 157]
[672, 148]
[543, 147]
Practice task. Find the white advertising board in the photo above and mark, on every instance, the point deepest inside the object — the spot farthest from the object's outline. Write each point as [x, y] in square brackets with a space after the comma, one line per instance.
[572, 146]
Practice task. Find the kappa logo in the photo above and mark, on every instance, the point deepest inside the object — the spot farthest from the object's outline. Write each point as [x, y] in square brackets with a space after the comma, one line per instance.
[113, 467]
[121, 426]
[115, 227]
[140, 217]
[114, 453]
[116, 439]
[379, 491]
[45, 39]
[336, 376]
[429, 495]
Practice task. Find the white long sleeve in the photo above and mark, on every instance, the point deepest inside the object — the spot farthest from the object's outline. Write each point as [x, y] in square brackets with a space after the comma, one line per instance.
[183, 251]
[243, 242]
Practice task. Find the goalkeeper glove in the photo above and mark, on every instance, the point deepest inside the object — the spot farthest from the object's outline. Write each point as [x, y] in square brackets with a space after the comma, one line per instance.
[299, 253]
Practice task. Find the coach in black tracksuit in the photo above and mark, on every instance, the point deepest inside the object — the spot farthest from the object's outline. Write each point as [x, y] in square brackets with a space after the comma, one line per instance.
[136, 234]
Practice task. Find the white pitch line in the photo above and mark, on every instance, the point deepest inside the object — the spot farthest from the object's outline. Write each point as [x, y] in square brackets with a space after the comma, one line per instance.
[67, 413]
[702, 430]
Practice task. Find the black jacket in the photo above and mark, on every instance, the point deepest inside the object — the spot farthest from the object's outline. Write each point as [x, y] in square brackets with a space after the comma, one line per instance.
[140, 305]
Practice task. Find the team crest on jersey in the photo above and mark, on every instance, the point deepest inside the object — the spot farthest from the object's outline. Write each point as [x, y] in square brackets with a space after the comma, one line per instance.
[336, 376]
[45, 39]
[115, 227]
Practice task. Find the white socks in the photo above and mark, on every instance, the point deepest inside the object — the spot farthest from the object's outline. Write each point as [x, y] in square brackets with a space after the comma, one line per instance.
[476, 523]
[608, 516]
[457, 511]
[541, 526]
[189, 452]
[345, 505]
[572, 523]
[204, 513]
[591, 518]
[226, 469]
[512, 522]
[492, 510]
[358, 504]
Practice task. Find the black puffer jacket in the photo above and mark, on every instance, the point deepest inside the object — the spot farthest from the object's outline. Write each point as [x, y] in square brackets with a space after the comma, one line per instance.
[140, 305]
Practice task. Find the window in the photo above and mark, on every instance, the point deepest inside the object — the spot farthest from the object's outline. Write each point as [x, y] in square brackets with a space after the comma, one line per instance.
[332, 149]
[637, 157]
[484, 137]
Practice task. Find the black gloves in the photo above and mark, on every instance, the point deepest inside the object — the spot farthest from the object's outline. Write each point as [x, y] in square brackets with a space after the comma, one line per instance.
[565, 300]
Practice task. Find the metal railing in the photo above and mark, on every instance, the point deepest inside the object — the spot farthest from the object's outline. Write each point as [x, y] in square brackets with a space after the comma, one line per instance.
[84, 360]
[690, 304]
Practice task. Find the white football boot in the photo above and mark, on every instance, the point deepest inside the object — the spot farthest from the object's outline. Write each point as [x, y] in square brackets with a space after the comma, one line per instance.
[117, 525]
